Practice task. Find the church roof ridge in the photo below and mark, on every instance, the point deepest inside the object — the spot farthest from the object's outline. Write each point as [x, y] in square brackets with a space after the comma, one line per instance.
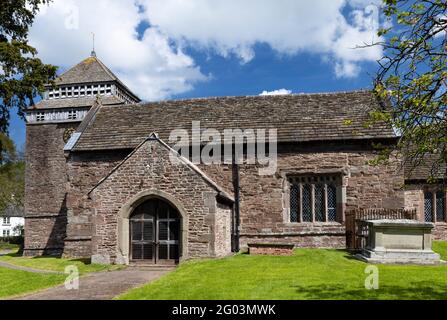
[300, 94]
[297, 118]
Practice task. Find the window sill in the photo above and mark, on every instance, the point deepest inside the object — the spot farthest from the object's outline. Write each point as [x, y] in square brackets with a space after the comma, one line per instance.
[329, 224]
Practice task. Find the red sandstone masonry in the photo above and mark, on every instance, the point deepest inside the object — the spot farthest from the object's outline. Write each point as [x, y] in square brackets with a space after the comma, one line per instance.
[414, 199]
[84, 171]
[45, 193]
[271, 249]
[264, 202]
[264, 199]
[149, 168]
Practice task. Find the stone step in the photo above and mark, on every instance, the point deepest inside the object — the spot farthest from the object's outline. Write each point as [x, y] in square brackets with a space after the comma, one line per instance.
[151, 267]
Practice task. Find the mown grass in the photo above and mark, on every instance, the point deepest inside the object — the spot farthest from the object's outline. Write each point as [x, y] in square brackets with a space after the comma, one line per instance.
[308, 274]
[15, 282]
[55, 264]
[7, 246]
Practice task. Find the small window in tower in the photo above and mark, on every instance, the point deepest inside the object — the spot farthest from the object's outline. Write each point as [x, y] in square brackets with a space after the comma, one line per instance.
[40, 117]
[72, 115]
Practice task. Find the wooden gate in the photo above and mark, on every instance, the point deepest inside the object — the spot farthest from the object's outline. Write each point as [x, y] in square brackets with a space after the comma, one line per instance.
[357, 230]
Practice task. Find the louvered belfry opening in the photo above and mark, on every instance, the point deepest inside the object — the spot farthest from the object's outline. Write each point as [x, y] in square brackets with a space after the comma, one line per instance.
[155, 233]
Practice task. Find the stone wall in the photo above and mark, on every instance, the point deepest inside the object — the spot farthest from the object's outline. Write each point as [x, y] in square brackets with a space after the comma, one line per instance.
[271, 249]
[414, 199]
[84, 171]
[222, 227]
[149, 168]
[45, 189]
[264, 200]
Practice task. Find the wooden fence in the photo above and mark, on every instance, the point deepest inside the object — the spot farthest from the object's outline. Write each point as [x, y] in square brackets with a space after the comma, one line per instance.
[356, 229]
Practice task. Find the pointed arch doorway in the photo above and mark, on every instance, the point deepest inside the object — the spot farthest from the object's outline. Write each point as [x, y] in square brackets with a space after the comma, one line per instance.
[155, 233]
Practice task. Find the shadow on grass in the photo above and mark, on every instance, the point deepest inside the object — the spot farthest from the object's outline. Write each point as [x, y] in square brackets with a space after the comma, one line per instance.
[419, 291]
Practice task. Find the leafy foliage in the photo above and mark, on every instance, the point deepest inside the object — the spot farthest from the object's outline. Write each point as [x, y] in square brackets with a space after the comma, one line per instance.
[22, 75]
[12, 176]
[412, 78]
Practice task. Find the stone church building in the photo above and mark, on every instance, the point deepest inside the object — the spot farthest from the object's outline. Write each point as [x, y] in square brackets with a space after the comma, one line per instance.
[101, 183]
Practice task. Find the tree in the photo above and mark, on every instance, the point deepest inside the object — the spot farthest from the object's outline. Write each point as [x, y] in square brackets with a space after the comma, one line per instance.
[412, 78]
[22, 75]
[12, 177]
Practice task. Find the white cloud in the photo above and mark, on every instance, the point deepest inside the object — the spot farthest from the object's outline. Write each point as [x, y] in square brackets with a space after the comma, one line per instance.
[288, 26]
[156, 65]
[346, 69]
[153, 67]
[279, 92]
[442, 20]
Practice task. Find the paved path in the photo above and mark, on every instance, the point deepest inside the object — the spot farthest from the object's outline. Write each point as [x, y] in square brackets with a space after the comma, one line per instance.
[100, 285]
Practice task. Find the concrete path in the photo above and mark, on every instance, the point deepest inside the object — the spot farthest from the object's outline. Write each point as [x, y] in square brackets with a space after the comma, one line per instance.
[100, 285]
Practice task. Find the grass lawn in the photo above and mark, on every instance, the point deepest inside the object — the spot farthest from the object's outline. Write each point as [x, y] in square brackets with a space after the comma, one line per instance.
[55, 264]
[7, 246]
[308, 274]
[16, 282]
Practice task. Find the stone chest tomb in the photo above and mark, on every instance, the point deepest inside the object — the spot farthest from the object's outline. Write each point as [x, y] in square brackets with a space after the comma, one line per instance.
[399, 241]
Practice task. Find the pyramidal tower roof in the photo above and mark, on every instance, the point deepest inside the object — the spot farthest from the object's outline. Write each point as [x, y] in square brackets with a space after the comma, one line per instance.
[88, 70]
[82, 84]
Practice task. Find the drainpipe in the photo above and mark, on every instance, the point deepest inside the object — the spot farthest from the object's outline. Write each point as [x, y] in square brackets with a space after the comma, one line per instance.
[236, 214]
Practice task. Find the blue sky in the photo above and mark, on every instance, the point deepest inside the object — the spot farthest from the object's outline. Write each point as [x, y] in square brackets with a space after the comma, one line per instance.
[302, 73]
[166, 49]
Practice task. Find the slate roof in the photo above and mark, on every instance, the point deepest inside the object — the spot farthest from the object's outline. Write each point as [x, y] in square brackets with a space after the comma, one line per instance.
[429, 166]
[298, 118]
[76, 102]
[13, 212]
[90, 70]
